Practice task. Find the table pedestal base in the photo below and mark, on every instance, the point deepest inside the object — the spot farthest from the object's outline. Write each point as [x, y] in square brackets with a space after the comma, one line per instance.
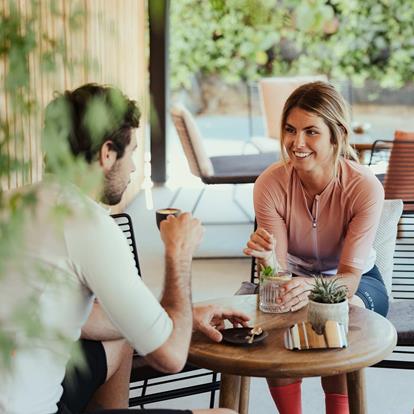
[356, 392]
[234, 392]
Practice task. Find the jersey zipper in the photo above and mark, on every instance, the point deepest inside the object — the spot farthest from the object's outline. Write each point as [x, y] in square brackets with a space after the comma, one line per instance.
[315, 214]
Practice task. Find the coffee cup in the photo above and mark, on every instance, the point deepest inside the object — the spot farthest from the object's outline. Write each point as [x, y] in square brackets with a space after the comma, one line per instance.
[162, 213]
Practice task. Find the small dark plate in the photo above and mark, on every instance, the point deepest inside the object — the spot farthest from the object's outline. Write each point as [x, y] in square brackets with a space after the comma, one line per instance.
[237, 336]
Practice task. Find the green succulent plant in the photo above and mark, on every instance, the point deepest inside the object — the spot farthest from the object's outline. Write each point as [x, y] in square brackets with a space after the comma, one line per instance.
[328, 290]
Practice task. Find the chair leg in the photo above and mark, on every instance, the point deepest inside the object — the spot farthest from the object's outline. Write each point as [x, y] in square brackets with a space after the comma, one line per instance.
[144, 390]
[198, 200]
[237, 202]
[213, 391]
[175, 196]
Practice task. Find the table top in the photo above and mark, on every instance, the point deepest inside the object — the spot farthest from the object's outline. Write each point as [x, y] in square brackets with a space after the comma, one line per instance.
[371, 338]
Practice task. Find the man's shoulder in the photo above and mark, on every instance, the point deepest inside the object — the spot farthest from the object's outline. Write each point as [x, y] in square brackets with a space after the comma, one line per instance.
[73, 209]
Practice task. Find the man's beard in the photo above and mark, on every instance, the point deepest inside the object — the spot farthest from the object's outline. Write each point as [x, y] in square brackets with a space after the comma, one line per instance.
[113, 188]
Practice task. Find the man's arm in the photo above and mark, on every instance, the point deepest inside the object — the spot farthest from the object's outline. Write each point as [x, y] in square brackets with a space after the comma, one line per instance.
[181, 237]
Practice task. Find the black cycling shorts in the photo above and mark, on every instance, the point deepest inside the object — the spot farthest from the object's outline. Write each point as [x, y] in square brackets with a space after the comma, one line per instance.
[80, 383]
[373, 293]
[82, 380]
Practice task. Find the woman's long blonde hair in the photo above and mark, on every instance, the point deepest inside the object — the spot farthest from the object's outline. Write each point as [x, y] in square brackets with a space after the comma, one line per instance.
[323, 100]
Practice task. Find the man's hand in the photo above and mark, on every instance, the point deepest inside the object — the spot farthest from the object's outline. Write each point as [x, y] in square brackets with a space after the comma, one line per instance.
[181, 235]
[210, 319]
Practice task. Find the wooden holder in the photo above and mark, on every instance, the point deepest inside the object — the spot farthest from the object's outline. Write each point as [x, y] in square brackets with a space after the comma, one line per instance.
[302, 336]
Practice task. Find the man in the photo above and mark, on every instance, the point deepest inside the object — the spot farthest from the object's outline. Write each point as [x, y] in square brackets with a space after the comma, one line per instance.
[87, 257]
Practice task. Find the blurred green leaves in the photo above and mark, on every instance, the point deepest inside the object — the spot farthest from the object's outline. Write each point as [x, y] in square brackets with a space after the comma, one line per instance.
[20, 33]
[246, 39]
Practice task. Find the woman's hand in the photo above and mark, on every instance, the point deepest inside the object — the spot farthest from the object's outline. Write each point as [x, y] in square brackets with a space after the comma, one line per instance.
[261, 246]
[295, 293]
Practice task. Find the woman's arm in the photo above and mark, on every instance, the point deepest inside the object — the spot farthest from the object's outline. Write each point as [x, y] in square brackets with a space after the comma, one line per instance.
[295, 293]
[272, 232]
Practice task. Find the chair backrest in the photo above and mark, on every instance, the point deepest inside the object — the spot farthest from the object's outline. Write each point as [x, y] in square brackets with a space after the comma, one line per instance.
[125, 223]
[192, 142]
[399, 179]
[403, 273]
[273, 95]
[380, 153]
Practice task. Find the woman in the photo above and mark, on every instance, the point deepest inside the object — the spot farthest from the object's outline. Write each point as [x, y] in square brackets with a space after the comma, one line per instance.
[319, 209]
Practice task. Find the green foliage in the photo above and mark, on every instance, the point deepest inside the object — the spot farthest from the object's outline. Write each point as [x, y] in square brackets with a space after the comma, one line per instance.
[328, 290]
[266, 272]
[246, 39]
[19, 45]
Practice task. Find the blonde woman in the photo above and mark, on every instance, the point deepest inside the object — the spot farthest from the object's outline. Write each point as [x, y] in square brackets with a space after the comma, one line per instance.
[320, 209]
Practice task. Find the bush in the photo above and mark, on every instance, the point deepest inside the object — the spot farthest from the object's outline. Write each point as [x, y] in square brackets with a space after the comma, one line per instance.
[242, 40]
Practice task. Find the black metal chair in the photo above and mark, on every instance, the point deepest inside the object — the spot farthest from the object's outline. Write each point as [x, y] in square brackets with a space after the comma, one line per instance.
[228, 169]
[401, 312]
[143, 376]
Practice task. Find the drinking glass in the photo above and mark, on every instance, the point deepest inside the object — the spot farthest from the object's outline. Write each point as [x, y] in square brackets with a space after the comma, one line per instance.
[270, 290]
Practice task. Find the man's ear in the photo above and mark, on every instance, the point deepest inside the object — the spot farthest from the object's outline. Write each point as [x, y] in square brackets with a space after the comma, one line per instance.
[107, 156]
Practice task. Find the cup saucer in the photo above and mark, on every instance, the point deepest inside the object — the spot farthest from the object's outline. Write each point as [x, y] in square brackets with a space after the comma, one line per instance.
[240, 336]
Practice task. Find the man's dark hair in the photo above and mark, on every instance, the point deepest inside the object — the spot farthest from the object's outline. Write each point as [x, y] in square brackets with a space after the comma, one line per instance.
[91, 115]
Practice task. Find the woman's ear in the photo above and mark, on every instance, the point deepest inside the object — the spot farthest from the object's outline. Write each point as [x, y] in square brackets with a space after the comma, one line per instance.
[107, 156]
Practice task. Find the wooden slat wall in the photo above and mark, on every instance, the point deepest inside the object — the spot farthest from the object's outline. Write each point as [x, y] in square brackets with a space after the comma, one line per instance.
[114, 36]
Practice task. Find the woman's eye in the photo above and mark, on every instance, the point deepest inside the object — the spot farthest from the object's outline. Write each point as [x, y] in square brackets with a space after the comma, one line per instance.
[289, 130]
[311, 132]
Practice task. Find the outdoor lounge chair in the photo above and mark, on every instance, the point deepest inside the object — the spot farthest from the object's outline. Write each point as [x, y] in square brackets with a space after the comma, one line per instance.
[274, 91]
[398, 179]
[143, 376]
[402, 306]
[227, 169]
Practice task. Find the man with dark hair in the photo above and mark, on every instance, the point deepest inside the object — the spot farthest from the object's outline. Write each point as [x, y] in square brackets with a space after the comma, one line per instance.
[92, 290]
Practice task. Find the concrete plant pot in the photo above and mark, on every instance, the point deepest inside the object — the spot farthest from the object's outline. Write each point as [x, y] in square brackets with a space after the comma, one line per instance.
[319, 313]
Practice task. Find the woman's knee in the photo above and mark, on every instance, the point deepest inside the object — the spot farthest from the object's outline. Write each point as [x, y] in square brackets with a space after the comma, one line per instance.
[335, 384]
[357, 301]
[280, 382]
[215, 411]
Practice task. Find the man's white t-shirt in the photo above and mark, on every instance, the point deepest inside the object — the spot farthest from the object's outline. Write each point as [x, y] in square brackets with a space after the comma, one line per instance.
[63, 267]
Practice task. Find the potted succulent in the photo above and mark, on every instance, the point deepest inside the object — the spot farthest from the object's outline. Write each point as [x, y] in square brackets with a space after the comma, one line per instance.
[328, 301]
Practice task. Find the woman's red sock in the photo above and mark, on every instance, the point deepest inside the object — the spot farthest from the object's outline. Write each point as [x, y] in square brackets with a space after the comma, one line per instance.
[288, 398]
[336, 404]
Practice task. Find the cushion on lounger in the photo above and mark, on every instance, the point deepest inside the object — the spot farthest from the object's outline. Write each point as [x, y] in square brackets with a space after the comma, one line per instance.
[384, 242]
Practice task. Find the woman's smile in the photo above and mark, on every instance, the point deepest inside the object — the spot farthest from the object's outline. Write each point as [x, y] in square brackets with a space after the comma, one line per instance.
[301, 154]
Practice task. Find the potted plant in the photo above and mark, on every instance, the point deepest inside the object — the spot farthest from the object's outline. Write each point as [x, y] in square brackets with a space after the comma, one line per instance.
[328, 301]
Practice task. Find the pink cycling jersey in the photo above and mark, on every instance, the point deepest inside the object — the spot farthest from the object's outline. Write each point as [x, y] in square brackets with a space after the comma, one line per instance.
[338, 229]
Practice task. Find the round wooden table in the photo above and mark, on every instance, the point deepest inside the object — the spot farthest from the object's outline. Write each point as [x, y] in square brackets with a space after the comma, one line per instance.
[371, 338]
